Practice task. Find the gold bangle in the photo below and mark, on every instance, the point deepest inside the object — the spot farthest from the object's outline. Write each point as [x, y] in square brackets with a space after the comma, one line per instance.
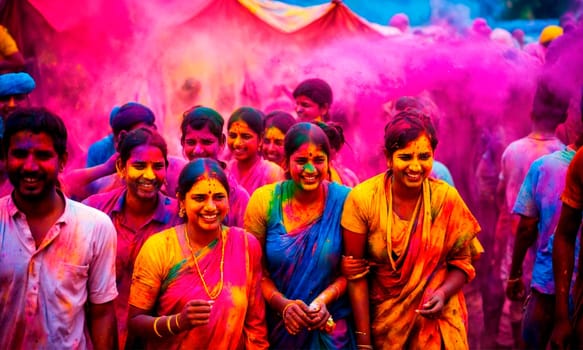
[168, 319]
[337, 292]
[287, 306]
[359, 333]
[176, 319]
[364, 346]
[512, 280]
[155, 328]
[271, 296]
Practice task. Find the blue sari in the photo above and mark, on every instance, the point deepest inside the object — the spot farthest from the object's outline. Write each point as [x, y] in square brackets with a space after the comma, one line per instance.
[302, 264]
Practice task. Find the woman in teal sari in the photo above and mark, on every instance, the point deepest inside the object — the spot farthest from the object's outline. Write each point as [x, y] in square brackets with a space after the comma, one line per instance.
[298, 223]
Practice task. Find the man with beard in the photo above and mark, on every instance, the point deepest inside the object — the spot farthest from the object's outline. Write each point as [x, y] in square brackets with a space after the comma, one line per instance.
[57, 256]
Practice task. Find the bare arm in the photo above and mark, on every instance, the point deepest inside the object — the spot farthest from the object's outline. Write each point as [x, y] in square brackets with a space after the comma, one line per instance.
[454, 282]
[333, 292]
[102, 326]
[255, 328]
[526, 236]
[195, 313]
[293, 312]
[319, 313]
[77, 181]
[564, 257]
[355, 246]
[500, 194]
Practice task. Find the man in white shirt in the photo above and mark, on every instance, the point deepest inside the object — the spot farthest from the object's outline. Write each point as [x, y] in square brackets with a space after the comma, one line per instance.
[57, 256]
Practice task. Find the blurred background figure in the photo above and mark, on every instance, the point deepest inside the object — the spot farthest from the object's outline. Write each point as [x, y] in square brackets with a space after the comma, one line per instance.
[400, 21]
[11, 59]
[313, 100]
[275, 126]
[547, 36]
[518, 35]
[14, 90]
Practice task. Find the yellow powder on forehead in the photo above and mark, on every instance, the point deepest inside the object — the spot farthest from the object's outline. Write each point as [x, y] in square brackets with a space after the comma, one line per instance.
[274, 133]
[240, 126]
[419, 145]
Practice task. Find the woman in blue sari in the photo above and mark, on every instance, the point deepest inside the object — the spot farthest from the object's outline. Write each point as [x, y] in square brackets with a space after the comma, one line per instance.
[298, 223]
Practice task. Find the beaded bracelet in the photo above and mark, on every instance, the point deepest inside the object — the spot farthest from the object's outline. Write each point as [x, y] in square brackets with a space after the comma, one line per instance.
[155, 328]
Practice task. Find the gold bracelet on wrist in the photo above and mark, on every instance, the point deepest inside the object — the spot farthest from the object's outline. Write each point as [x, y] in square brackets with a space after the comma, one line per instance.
[155, 326]
[177, 320]
[337, 292]
[287, 306]
[359, 333]
[272, 295]
[168, 319]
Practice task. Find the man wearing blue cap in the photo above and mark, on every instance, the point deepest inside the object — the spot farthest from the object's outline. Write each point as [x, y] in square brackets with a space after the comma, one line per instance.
[101, 150]
[14, 90]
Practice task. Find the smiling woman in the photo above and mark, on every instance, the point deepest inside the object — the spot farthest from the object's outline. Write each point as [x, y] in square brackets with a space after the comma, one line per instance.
[413, 235]
[138, 209]
[298, 224]
[275, 126]
[197, 285]
[245, 131]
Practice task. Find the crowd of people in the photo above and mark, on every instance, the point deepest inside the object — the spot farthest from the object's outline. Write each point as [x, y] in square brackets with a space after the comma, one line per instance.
[274, 242]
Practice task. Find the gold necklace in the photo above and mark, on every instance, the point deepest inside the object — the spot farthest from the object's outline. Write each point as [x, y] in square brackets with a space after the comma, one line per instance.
[219, 287]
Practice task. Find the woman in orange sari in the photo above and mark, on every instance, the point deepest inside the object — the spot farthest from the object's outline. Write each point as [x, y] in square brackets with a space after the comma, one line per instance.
[197, 285]
[407, 247]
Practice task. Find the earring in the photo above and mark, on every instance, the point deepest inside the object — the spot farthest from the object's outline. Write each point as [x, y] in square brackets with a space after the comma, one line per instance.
[182, 212]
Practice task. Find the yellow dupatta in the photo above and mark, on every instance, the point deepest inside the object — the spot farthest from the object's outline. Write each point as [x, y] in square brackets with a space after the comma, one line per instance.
[419, 271]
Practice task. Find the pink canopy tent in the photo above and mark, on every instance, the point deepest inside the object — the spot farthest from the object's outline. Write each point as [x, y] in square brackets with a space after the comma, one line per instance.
[89, 56]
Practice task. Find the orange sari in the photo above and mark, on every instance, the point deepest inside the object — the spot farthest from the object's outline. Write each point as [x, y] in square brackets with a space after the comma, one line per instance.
[440, 237]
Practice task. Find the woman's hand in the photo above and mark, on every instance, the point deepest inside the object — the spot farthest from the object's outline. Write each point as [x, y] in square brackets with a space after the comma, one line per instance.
[195, 313]
[433, 306]
[351, 267]
[295, 316]
[319, 315]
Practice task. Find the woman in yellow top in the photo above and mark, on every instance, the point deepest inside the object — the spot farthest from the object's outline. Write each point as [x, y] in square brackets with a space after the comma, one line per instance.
[197, 285]
[410, 236]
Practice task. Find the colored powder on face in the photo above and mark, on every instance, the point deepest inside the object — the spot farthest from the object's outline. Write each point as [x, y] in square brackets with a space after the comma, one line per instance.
[309, 167]
[477, 86]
